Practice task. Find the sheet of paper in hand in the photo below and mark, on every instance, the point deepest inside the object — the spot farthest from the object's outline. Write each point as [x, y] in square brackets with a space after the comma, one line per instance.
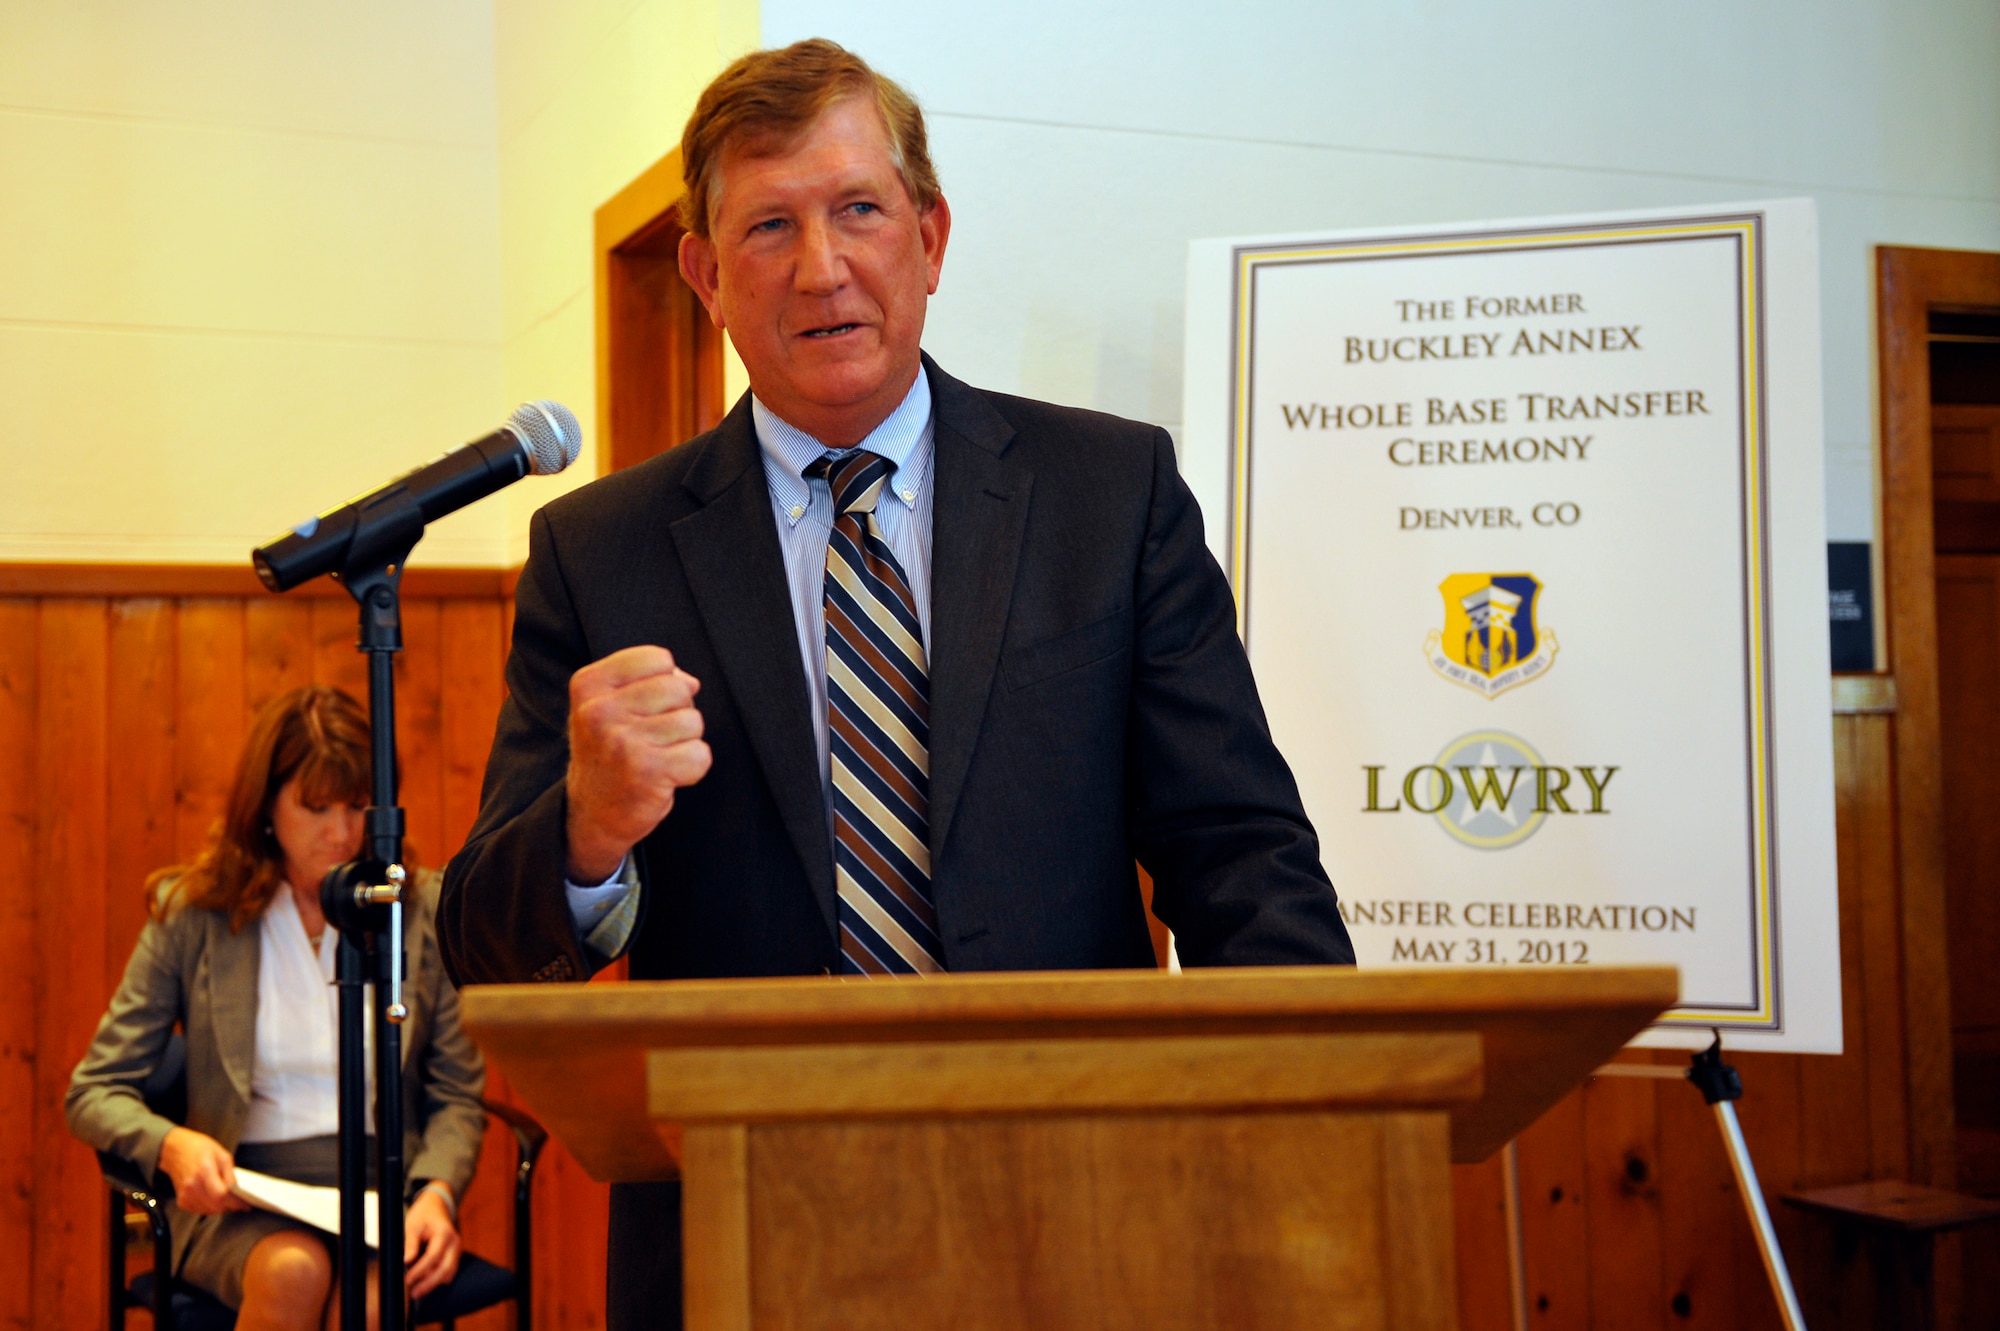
[318, 1207]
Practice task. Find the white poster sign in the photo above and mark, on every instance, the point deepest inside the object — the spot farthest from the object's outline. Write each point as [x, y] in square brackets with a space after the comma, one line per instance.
[1525, 523]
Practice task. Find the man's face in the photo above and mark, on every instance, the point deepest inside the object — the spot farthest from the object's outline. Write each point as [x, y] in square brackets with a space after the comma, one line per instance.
[819, 265]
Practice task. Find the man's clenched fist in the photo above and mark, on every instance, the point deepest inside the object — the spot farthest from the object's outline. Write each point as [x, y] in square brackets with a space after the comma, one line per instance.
[634, 738]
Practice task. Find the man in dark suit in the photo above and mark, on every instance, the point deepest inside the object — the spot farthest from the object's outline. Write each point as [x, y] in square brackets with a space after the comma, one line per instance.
[885, 674]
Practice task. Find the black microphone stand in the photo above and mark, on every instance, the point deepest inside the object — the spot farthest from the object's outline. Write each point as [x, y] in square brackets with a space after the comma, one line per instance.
[372, 537]
[364, 900]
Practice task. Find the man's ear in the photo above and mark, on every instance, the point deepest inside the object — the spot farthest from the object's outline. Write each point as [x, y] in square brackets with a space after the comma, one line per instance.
[935, 228]
[702, 271]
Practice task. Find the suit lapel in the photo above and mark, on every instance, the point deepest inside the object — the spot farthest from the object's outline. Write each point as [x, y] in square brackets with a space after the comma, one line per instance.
[729, 550]
[233, 962]
[979, 512]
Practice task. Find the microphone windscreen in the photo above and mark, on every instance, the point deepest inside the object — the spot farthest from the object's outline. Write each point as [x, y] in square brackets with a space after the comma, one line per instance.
[550, 431]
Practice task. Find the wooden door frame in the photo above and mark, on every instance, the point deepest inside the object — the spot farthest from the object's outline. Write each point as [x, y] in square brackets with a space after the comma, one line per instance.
[1909, 284]
[637, 228]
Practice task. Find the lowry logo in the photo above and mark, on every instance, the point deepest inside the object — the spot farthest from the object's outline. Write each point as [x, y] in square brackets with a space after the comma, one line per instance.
[1489, 790]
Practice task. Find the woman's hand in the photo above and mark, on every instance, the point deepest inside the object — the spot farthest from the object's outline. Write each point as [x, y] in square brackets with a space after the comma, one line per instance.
[430, 1244]
[202, 1172]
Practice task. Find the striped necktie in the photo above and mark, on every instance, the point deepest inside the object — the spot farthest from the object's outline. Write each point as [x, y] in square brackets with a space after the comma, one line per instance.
[879, 733]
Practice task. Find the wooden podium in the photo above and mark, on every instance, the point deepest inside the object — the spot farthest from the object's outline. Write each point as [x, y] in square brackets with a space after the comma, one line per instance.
[1217, 1149]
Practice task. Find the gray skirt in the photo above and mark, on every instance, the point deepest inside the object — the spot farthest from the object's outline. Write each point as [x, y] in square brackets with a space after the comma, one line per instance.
[220, 1246]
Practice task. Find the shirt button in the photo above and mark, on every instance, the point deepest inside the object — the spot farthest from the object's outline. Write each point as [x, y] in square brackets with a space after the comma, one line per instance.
[798, 510]
[909, 496]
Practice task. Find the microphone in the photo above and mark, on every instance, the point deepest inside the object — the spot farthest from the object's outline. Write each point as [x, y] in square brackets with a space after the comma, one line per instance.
[540, 437]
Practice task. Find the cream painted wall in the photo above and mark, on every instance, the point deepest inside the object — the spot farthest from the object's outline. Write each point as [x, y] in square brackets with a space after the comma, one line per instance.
[1083, 144]
[264, 255]
[252, 267]
[592, 92]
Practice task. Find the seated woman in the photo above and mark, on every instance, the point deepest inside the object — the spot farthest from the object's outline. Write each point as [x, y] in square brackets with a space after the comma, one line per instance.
[239, 955]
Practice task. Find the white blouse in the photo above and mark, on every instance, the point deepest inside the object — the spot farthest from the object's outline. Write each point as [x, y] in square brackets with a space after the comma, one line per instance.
[294, 1075]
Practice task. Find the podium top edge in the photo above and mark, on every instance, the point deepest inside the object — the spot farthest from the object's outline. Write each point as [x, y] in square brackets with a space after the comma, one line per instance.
[1428, 995]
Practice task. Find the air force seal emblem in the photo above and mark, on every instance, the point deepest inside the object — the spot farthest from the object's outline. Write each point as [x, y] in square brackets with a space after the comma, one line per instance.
[1490, 641]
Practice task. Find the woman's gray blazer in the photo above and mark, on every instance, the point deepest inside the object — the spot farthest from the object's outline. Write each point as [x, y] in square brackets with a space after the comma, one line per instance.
[190, 969]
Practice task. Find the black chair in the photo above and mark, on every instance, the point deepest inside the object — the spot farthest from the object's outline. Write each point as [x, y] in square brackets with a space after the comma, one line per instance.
[177, 1306]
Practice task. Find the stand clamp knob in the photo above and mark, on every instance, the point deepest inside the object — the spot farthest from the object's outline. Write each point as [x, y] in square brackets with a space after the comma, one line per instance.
[390, 894]
[397, 1012]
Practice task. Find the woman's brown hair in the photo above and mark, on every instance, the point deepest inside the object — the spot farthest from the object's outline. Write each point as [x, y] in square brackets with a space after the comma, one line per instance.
[317, 734]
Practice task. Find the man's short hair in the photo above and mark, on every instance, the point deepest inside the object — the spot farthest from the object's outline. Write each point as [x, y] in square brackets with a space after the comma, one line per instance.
[768, 98]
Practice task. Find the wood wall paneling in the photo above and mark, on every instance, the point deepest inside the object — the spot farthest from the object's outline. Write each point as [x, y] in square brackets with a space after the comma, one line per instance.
[419, 718]
[1705, 1284]
[1866, 826]
[1622, 1196]
[277, 648]
[70, 890]
[210, 703]
[1771, 1114]
[20, 1000]
[142, 808]
[1555, 1224]
[1480, 1237]
[474, 654]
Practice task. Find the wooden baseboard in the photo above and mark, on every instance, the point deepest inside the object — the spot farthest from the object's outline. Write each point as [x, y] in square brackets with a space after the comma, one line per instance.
[230, 580]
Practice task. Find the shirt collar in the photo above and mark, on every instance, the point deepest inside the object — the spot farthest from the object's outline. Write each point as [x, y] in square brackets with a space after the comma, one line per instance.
[281, 913]
[788, 450]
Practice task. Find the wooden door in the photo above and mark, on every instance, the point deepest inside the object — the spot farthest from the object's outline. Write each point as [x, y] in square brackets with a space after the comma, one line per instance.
[1965, 464]
[1963, 357]
[1908, 940]
[659, 358]
[1968, 590]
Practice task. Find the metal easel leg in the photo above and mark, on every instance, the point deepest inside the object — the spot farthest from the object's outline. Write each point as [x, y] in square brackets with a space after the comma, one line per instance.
[1720, 1085]
[1760, 1216]
[1517, 1253]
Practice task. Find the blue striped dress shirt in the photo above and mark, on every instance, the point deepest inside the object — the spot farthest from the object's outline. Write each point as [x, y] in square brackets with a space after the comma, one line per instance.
[803, 511]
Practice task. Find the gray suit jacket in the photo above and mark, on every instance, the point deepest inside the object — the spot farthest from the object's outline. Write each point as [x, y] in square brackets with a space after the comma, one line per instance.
[189, 968]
